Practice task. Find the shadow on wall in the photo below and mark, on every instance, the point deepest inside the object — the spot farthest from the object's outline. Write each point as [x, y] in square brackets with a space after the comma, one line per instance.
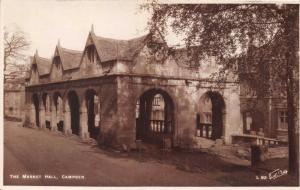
[107, 139]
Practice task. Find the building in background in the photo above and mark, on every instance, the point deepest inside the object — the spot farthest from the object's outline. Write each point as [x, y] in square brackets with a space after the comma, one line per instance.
[14, 92]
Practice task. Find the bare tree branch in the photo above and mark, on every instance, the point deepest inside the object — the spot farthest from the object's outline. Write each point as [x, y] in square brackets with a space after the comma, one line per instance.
[15, 43]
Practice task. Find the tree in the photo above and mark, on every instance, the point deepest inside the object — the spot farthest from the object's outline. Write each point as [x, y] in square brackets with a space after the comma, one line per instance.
[15, 43]
[242, 36]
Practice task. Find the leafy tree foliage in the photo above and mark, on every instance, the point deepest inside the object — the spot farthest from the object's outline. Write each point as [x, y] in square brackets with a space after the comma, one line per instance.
[256, 42]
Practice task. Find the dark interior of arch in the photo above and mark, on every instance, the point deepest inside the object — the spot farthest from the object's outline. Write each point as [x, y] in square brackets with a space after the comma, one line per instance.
[90, 101]
[74, 108]
[218, 106]
[47, 123]
[144, 131]
[35, 100]
[44, 97]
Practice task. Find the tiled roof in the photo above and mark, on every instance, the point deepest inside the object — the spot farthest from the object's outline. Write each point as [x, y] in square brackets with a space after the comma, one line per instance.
[112, 49]
[107, 48]
[43, 65]
[70, 58]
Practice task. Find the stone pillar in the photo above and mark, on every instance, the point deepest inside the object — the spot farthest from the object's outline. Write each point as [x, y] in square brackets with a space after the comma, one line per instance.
[32, 115]
[67, 120]
[232, 118]
[53, 119]
[84, 133]
[42, 117]
[27, 116]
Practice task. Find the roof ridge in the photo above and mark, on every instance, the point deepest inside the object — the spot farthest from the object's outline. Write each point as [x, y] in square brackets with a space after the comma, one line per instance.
[125, 40]
[70, 50]
[46, 59]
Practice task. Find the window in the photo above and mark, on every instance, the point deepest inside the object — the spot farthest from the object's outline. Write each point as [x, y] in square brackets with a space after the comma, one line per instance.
[158, 114]
[157, 101]
[34, 67]
[34, 74]
[282, 120]
[248, 122]
[91, 53]
[57, 62]
[207, 117]
[137, 109]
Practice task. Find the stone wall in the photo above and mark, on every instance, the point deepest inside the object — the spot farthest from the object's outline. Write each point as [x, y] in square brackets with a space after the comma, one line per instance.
[185, 98]
[14, 103]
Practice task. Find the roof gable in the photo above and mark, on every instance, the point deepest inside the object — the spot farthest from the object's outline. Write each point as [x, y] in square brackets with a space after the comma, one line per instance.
[112, 49]
[43, 64]
[70, 58]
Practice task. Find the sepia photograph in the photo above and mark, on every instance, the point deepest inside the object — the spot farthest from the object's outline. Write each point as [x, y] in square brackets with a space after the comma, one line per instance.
[150, 93]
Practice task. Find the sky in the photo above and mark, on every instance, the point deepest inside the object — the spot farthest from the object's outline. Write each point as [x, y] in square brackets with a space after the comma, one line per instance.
[44, 22]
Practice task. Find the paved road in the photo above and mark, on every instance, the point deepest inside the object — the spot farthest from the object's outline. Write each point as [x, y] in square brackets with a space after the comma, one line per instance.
[37, 152]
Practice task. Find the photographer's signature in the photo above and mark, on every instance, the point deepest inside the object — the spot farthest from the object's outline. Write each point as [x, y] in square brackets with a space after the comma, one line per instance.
[272, 175]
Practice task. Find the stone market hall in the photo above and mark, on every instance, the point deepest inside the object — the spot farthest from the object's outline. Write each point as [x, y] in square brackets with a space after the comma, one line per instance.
[121, 91]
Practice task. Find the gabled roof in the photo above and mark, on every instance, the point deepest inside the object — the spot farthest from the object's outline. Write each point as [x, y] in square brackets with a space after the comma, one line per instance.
[70, 58]
[43, 64]
[111, 49]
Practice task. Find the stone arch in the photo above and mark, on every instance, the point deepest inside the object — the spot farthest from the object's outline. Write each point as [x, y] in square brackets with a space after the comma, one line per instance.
[155, 117]
[93, 112]
[36, 104]
[210, 117]
[74, 105]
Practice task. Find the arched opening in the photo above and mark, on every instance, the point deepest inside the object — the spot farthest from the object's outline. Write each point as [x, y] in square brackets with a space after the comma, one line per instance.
[47, 106]
[59, 111]
[210, 119]
[35, 100]
[93, 111]
[74, 109]
[155, 117]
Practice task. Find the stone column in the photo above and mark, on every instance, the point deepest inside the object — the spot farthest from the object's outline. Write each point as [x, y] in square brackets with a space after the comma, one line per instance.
[53, 119]
[42, 117]
[84, 134]
[27, 116]
[67, 120]
[32, 115]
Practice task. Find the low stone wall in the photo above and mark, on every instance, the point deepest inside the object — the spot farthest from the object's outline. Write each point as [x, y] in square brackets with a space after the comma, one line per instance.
[277, 152]
[12, 118]
[239, 153]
